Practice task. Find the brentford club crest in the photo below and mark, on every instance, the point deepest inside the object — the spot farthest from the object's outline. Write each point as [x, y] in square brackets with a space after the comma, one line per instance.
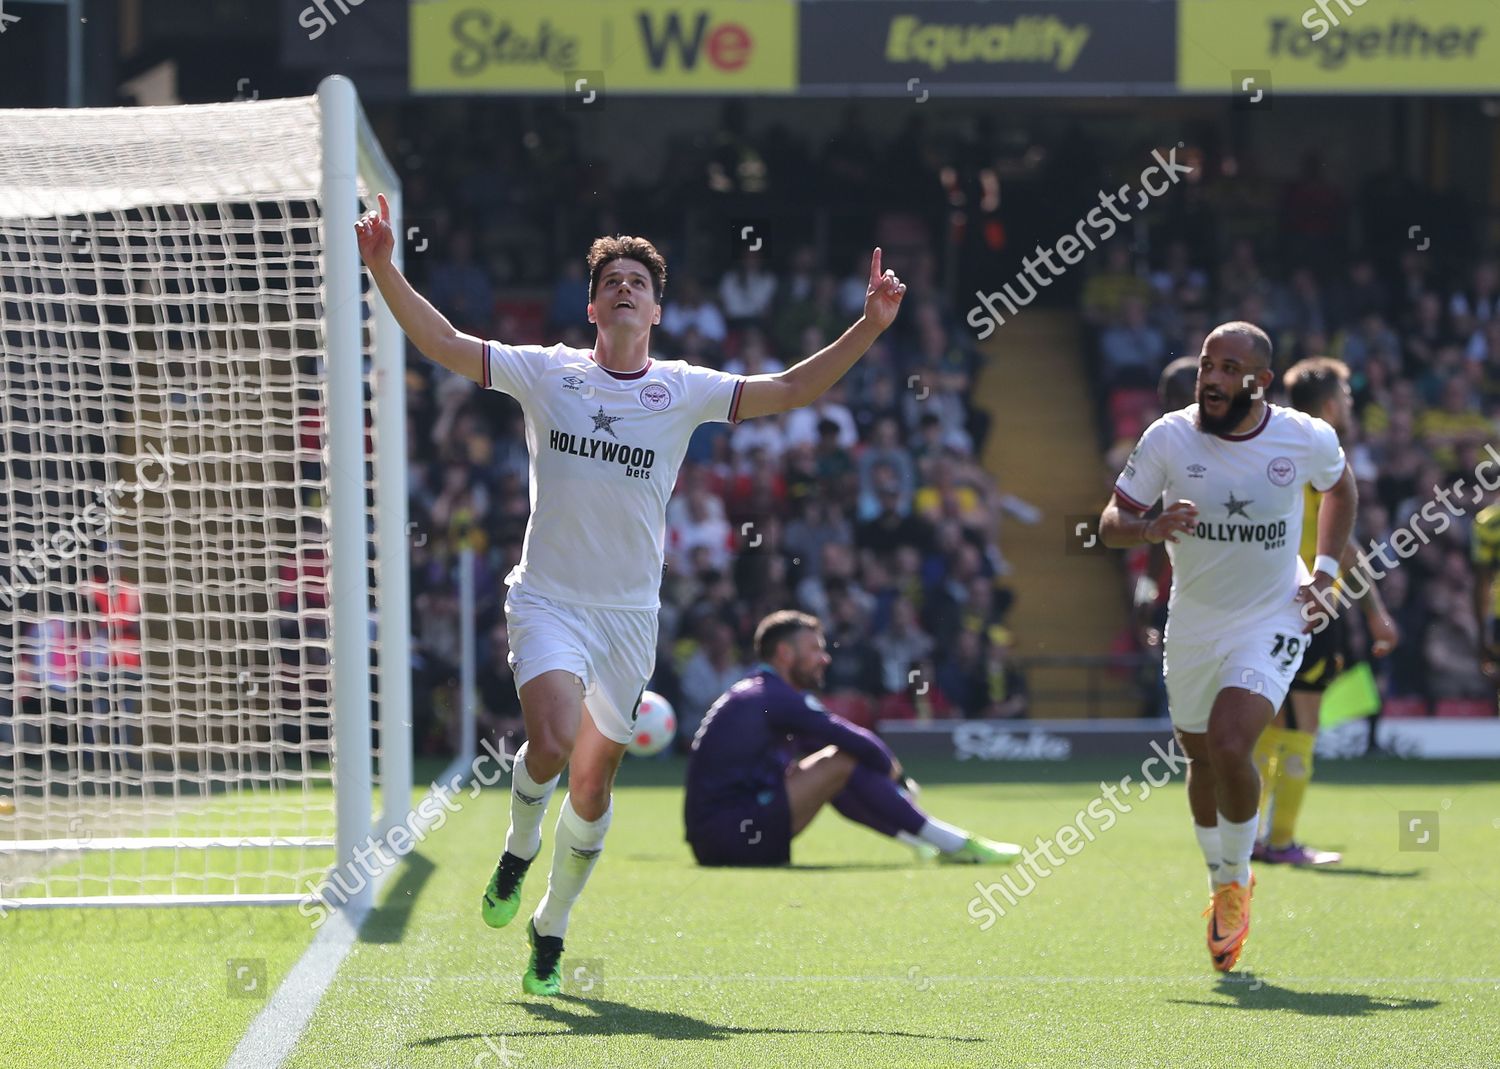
[655, 396]
[1281, 471]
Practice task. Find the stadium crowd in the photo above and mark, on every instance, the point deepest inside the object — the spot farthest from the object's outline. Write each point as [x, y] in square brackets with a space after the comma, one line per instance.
[1419, 330]
[872, 508]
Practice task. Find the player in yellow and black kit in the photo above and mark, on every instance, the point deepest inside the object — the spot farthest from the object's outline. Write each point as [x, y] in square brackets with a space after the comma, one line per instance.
[1318, 386]
[1485, 555]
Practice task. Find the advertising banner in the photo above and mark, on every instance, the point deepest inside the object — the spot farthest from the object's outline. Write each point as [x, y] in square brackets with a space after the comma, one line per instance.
[1079, 46]
[535, 46]
[1339, 46]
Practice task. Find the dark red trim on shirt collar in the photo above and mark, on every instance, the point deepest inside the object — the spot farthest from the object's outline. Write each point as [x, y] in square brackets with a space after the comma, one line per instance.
[621, 374]
[1264, 420]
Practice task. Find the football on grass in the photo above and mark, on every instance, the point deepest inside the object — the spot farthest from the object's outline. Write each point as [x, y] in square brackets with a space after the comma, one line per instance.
[655, 724]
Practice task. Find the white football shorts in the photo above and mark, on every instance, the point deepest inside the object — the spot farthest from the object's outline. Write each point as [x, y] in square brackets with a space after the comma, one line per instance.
[1261, 658]
[612, 651]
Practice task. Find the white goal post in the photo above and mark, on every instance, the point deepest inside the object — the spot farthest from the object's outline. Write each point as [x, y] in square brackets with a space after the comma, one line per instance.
[203, 532]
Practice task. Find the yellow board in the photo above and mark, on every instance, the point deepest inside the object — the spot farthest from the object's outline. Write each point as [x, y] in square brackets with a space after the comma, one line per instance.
[481, 46]
[1328, 46]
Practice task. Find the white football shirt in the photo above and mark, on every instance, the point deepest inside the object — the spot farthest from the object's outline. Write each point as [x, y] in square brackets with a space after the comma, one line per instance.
[1240, 564]
[605, 449]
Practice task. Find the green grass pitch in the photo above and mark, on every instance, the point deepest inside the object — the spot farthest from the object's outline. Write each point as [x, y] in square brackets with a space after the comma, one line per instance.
[855, 956]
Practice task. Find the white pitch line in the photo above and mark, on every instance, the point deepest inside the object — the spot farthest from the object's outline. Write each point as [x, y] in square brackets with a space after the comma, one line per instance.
[274, 1033]
[908, 981]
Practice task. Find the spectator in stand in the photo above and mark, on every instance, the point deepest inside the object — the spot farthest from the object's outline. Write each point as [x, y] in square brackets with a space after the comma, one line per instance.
[1456, 422]
[754, 356]
[1105, 294]
[460, 288]
[1300, 308]
[893, 526]
[1484, 348]
[710, 671]
[696, 522]
[855, 665]
[802, 423]
[112, 659]
[1314, 215]
[902, 646]
[1134, 351]
[747, 291]
[1372, 340]
[1452, 636]
[692, 309]
[1360, 295]
[816, 308]
[885, 452]
[1009, 697]
[1241, 276]
[1479, 303]
[568, 306]
[835, 467]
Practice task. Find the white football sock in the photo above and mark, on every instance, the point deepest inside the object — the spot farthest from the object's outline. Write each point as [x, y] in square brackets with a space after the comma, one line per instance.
[1236, 841]
[1213, 851]
[528, 805]
[945, 837]
[574, 854]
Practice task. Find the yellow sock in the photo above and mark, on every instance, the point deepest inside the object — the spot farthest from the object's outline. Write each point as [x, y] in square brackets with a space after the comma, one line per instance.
[1267, 749]
[1293, 771]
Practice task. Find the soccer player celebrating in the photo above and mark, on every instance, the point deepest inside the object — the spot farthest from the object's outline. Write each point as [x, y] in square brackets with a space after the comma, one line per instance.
[1484, 555]
[1241, 600]
[1318, 386]
[748, 794]
[606, 428]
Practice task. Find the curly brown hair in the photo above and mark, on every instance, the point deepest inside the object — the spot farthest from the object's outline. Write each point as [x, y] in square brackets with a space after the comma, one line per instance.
[605, 251]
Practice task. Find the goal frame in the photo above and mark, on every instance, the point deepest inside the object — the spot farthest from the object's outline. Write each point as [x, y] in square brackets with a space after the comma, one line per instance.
[351, 157]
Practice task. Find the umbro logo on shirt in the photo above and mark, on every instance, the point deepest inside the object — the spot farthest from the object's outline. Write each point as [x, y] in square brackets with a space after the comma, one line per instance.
[1196, 471]
[572, 382]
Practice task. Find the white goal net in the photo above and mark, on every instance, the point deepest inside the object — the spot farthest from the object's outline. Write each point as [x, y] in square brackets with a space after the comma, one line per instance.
[201, 591]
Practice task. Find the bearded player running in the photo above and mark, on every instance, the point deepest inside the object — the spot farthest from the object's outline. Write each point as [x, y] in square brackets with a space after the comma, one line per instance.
[606, 429]
[1231, 471]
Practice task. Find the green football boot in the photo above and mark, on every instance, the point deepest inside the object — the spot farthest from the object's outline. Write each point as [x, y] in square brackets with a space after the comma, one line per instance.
[544, 974]
[502, 895]
[977, 851]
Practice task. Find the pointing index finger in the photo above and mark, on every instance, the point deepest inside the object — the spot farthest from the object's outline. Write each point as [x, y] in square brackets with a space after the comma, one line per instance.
[875, 266]
[385, 207]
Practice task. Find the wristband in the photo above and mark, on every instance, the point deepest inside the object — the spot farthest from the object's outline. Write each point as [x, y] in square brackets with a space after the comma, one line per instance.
[1327, 565]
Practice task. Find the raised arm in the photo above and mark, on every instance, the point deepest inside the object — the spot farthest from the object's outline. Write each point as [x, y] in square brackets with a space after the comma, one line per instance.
[804, 382]
[429, 329]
